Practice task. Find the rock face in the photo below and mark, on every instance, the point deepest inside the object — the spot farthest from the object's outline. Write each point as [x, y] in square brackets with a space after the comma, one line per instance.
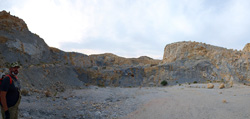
[207, 62]
[39, 69]
[247, 48]
[46, 67]
[9, 22]
[17, 42]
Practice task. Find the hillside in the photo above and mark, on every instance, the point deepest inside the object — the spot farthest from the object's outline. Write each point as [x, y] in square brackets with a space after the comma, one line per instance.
[46, 67]
[207, 62]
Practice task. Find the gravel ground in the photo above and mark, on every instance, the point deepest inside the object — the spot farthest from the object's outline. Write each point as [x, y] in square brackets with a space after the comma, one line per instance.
[90, 103]
[175, 102]
[193, 102]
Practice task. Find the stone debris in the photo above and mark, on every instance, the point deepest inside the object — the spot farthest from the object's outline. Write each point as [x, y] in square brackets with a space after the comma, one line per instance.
[221, 86]
[47, 93]
[210, 85]
[231, 83]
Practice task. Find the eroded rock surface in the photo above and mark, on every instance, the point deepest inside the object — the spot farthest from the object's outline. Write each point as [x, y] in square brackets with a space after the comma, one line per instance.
[183, 62]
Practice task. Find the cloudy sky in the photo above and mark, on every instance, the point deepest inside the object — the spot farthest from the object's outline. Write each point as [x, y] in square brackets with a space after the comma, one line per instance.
[133, 28]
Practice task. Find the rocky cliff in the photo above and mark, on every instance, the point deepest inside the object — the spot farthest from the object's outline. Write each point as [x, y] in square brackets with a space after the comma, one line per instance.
[39, 68]
[208, 62]
[46, 67]
[247, 48]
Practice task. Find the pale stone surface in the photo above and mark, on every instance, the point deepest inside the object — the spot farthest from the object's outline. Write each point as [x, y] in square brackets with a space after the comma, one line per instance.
[215, 63]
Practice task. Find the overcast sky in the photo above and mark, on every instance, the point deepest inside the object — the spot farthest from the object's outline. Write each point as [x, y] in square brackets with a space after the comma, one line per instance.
[133, 28]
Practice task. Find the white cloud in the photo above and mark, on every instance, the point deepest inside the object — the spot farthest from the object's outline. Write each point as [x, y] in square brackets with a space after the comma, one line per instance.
[133, 28]
[55, 22]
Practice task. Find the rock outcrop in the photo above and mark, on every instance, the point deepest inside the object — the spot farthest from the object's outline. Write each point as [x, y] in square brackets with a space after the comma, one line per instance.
[47, 67]
[9, 23]
[247, 48]
[208, 62]
[17, 42]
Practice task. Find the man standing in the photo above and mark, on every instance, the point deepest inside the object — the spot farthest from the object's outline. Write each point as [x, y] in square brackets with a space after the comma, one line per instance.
[10, 93]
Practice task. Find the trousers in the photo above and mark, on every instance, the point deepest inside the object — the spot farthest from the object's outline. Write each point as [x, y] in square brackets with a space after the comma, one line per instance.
[13, 110]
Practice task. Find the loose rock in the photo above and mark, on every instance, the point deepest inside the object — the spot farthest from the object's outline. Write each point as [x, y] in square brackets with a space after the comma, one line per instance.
[221, 86]
[210, 86]
[231, 83]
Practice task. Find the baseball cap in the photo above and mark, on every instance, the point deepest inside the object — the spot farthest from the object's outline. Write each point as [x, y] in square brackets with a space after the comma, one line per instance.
[14, 64]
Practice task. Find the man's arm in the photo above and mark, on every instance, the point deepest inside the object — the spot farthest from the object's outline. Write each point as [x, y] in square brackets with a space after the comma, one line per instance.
[4, 88]
[3, 100]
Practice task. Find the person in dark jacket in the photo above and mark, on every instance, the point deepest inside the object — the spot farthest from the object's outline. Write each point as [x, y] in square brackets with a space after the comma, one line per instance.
[10, 93]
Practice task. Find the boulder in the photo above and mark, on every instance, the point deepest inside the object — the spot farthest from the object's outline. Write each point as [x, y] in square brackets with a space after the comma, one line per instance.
[210, 85]
[230, 84]
[221, 86]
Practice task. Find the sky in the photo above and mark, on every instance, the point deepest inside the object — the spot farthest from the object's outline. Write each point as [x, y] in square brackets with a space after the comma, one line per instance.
[134, 28]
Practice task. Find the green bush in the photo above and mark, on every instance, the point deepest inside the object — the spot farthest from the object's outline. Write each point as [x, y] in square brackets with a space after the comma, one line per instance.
[164, 83]
[195, 82]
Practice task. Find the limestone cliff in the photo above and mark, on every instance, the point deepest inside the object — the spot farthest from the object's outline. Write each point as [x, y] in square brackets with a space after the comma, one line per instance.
[46, 67]
[208, 62]
[183, 62]
[39, 68]
[17, 42]
[9, 22]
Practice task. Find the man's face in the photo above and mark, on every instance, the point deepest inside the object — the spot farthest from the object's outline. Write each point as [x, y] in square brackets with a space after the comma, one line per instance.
[14, 70]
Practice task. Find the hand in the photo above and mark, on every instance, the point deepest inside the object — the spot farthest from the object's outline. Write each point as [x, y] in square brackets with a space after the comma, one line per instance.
[7, 114]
